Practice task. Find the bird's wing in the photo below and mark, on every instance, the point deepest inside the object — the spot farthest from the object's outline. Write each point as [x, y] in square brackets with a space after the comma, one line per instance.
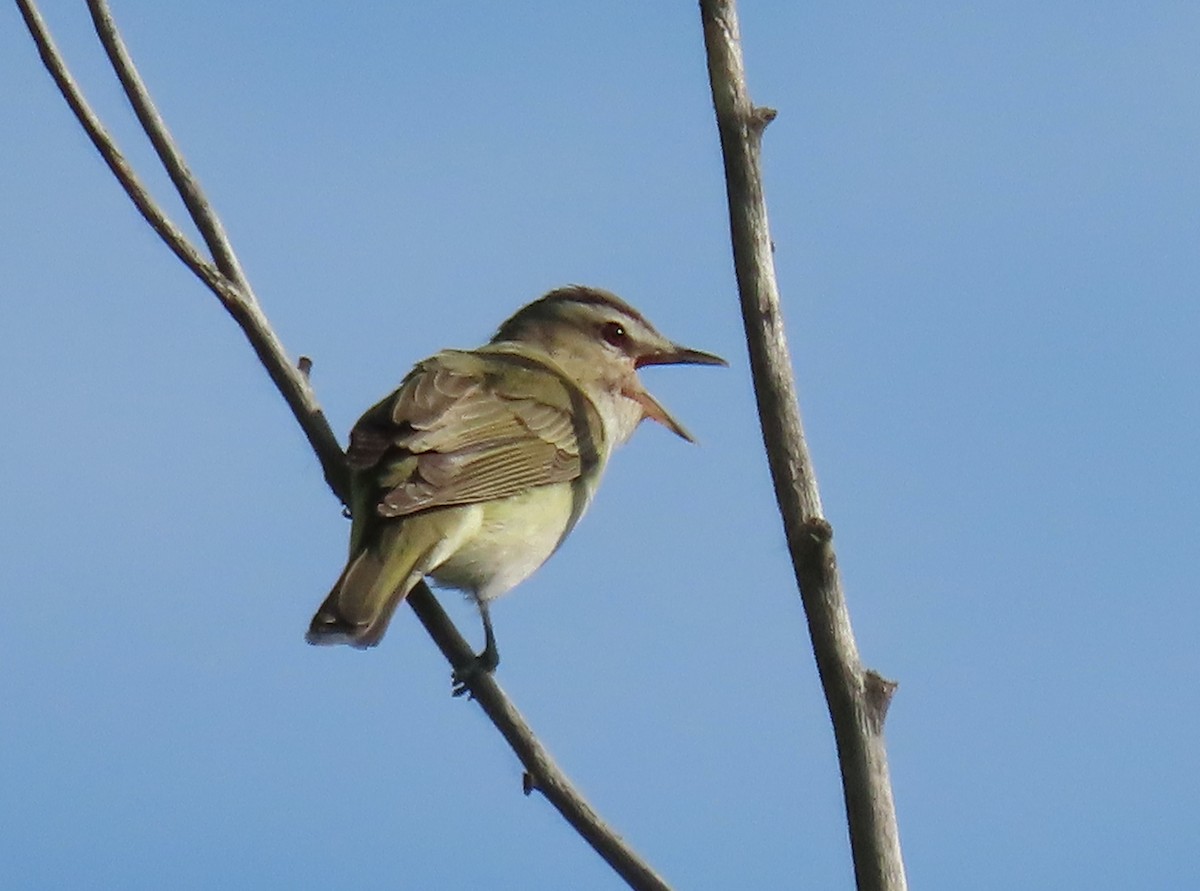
[473, 426]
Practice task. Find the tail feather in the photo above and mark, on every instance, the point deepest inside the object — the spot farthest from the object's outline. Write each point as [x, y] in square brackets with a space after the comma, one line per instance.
[360, 606]
[382, 571]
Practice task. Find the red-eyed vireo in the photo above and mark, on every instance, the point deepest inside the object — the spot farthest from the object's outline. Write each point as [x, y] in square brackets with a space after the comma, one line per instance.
[479, 465]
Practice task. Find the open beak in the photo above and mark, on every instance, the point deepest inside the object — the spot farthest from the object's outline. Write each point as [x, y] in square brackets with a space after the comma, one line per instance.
[655, 411]
[672, 354]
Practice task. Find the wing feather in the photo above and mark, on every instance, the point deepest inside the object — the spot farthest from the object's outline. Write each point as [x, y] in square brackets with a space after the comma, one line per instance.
[473, 426]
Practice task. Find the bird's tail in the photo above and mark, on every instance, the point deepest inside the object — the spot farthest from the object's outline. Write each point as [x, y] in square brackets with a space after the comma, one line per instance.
[375, 581]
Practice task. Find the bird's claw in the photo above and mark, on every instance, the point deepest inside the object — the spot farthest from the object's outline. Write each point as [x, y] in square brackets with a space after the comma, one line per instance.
[465, 675]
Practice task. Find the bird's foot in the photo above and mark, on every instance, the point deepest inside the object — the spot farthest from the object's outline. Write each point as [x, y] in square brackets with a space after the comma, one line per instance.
[465, 675]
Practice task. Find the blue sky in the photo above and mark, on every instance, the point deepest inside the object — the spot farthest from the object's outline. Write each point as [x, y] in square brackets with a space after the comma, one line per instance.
[986, 219]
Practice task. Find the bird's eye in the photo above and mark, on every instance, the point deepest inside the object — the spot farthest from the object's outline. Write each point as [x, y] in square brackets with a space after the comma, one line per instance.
[614, 333]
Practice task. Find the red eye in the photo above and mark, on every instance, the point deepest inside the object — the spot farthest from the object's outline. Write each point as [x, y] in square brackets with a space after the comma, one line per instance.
[614, 333]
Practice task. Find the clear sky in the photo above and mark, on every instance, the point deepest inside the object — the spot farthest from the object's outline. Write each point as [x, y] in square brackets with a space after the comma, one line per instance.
[987, 221]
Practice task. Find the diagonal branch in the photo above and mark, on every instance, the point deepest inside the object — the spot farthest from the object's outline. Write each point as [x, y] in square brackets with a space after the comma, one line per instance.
[227, 281]
[234, 293]
[857, 698]
[164, 144]
[108, 150]
[541, 772]
[233, 290]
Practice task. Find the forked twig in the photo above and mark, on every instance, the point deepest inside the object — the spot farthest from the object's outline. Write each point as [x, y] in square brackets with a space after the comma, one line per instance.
[108, 150]
[169, 154]
[232, 290]
[224, 277]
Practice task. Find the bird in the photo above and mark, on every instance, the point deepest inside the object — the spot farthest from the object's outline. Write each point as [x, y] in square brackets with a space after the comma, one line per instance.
[477, 467]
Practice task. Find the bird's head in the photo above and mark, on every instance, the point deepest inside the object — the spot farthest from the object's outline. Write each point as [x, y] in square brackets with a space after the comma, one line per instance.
[600, 341]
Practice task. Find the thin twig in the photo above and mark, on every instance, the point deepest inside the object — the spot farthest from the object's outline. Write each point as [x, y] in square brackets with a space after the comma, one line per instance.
[857, 698]
[542, 772]
[108, 150]
[168, 151]
[234, 292]
[234, 295]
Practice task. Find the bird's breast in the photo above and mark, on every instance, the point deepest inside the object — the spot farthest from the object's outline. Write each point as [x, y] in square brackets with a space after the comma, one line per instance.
[512, 537]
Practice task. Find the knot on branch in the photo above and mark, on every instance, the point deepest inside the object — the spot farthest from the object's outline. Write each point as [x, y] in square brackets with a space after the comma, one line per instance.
[529, 783]
[818, 529]
[759, 117]
[878, 690]
[811, 545]
[811, 538]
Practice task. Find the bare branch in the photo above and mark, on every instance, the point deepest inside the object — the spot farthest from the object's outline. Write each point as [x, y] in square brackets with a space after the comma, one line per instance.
[235, 295]
[228, 282]
[292, 383]
[857, 699]
[541, 771]
[164, 144]
[232, 288]
[108, 150]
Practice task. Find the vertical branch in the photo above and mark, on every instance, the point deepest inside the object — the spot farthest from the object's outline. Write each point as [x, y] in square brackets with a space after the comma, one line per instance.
[857, 698]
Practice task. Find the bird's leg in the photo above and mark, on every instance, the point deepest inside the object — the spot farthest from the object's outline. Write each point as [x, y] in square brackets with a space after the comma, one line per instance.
[490, 657]
[484, 662]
